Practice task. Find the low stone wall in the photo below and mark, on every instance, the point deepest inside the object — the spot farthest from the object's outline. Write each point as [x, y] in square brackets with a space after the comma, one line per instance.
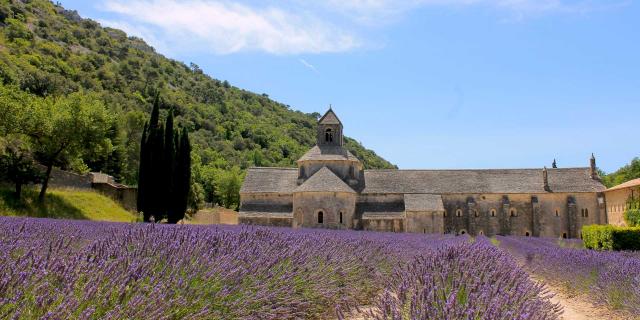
[126, 196]
[64, 179]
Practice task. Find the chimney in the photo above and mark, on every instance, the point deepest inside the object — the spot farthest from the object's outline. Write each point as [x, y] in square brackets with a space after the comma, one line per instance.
[545, 179]
[592, 172]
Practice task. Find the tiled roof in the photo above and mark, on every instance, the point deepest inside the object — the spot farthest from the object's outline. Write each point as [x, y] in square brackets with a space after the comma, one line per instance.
[479, 181]
[328, 153]
[329, 118]
[628, 184]
[324, 181]
[423, 202]
[505, 181]
[270, 180]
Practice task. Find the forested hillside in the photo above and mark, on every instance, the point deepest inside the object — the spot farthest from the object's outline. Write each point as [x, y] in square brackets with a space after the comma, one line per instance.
[628, 172]
[48, 52]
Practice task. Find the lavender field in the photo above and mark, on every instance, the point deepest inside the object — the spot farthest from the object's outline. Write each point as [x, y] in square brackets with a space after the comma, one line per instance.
[60, 269]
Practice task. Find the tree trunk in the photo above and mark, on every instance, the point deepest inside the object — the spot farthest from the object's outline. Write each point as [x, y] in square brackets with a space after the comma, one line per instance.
[45, 183]
[18, 190]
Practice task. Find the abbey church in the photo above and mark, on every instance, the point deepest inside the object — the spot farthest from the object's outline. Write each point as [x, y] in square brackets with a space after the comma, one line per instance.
[331, 189]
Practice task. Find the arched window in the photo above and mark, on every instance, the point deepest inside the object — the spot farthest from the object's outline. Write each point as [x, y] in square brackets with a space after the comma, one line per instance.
[328, 135]
[340, 217]
[513, 212]
[476, 213]
[586, 213]
[564, 235]
[557, 213]
[459, 213]
[481, 233]
[301, 174]
[493, 212]
[320, 217]
[526, 234]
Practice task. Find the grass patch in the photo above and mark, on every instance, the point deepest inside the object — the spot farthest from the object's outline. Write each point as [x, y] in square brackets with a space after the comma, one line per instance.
[63, 204]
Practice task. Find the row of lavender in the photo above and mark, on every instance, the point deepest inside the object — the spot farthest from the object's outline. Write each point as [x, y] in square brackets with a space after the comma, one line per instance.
[610, 278]
[56, 269]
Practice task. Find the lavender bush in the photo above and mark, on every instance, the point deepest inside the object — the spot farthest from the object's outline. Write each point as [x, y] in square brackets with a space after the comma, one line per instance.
[464, 281]
[57, 269]
[610, 278]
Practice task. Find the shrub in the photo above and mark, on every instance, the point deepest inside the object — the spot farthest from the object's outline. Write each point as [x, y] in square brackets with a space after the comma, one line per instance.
[632, 217]
[599, 237]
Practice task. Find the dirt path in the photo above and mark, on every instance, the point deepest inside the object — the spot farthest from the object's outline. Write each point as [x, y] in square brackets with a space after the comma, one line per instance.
[580, 308]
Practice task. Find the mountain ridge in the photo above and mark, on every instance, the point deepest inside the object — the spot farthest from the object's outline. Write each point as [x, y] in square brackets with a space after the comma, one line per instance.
[47, 50]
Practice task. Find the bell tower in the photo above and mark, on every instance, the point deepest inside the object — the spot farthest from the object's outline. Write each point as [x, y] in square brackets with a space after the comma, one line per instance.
[330, 130]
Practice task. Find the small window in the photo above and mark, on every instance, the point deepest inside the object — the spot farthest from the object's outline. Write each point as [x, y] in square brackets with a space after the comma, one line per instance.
[459, 213]
[586, 213]
[493, 212]
[564, 235]
[445, 213]
[481, 233]
[557, 213]
[513, 213]
[424, 230]
[476, 213]
[328, 135]
[462, 232]
[320, 217]
[526, 234]
[340, 217]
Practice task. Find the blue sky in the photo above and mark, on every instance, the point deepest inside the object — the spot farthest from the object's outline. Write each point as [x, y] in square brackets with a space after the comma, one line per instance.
[424, 83]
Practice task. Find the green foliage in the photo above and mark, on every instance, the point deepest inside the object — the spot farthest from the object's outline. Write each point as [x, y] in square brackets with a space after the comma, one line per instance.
[608, 237]
[67, 130]
[632, 212]
[628, 172]
[228, 185]
[17, 164]
[50, 52]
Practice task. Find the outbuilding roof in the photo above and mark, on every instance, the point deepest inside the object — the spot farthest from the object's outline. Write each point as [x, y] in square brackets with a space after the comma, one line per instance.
[423, 202]
[628, 184]
[324, 181]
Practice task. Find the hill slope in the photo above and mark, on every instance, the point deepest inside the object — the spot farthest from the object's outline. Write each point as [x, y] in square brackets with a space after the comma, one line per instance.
[64, 204]
[46, 50]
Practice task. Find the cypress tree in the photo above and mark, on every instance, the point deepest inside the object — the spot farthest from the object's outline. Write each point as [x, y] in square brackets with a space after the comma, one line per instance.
[169, 155]
[156, 201]
[184, 173]
[142, 186]
[164, 178]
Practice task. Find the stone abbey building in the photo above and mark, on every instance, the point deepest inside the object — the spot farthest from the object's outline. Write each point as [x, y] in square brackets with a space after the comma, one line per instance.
[330, 189]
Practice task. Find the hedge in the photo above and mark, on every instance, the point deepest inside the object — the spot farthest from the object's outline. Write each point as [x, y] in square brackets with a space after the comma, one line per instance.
[607, 237]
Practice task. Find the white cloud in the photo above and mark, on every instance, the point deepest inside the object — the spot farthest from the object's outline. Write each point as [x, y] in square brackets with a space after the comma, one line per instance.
[308, 65]
[383, 11]
[225, 28]
[304, 27]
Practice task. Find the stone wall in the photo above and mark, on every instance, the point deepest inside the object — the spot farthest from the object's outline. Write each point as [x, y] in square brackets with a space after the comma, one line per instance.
[424, 221]
[337, 209]
[65, 179]
[384, 225]
[617, 203]
[545, 215]
[126, 196]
